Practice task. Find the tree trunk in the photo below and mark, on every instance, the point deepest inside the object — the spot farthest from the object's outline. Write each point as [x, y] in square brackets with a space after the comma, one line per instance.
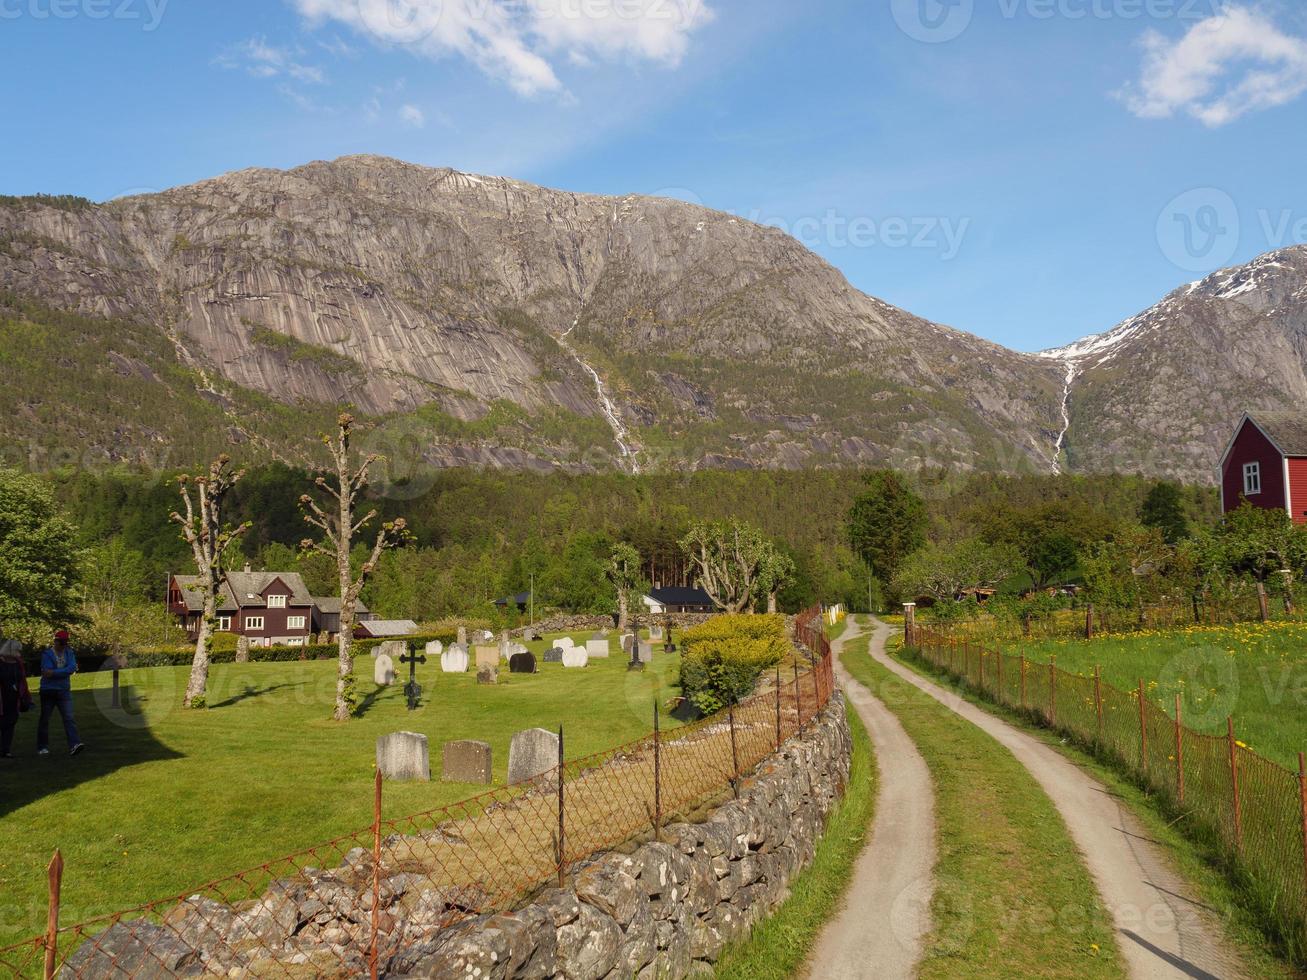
[199, 682]
[623, 611]
[771, 603]
[345, 658]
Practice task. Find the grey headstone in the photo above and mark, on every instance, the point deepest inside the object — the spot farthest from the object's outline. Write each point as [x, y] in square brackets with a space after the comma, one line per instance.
[646, 653]
[553, 656]
[522, 663]
[467, 762]
[404, 755]
[628, 639]
[531, 754]
[435, 648]
[597, 648]
[487, 665]
[575, 657]
[454, 661]
[383, 671]
[394, 649]
[462, 636]
[516, 648]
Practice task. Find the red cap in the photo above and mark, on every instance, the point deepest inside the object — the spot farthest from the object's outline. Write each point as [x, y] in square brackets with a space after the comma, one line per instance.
[61, 635]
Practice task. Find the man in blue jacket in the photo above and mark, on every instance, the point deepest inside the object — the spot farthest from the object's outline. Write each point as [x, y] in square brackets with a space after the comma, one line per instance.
[58, 664]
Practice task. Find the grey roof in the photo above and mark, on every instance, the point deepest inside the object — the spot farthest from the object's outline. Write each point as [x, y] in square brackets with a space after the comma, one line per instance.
[330, 605]
[680, 596]
[192, 587]
[1288, 430]
[390, 627]
[236, 589]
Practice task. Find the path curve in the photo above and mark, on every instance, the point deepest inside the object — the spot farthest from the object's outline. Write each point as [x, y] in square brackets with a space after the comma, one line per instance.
[880, 930]
[1162, 929]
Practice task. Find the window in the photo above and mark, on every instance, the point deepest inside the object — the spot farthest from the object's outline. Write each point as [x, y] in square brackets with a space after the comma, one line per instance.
[296, 622]
[224, 624]
[276, 602]
[254, 622]
[296, 641]
[1252, 478]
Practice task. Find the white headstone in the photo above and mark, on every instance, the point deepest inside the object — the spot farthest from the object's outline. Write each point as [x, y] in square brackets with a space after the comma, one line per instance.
[404, 755]
[454, 660]
[531, 754]
[435, 648]
[646, 653]
[575, 657]
[383, 670]
[597, 648]
[564, 643]
[485, 636]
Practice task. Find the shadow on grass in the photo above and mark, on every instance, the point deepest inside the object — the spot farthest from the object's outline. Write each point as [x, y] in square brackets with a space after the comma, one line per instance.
[250, 691]
[116, 738]
[379, 693]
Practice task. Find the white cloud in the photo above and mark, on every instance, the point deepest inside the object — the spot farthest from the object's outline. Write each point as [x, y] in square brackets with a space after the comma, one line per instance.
[519, 40]
[263, 60]
[413, 116]
[1232, 63]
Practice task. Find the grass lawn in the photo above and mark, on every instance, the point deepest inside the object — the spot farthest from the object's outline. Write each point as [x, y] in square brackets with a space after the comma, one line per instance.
[165, 799]
[1011, 899]
[1256, 672]
[780, 944]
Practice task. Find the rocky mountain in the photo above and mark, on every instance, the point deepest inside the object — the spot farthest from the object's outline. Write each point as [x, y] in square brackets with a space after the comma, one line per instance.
[485, 321]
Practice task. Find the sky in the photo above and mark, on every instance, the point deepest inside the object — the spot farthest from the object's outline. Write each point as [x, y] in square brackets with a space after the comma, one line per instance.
[1031, 171]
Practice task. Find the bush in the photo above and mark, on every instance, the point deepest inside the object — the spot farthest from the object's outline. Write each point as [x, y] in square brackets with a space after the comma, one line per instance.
[722, 658]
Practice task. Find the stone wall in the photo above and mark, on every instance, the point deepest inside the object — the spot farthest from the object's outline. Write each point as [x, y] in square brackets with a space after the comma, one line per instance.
[668, 909]
[576, 624]
[665, 910]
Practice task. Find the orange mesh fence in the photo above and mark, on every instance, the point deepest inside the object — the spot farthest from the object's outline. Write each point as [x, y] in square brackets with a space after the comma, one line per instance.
[1251, 809]
[366, 903]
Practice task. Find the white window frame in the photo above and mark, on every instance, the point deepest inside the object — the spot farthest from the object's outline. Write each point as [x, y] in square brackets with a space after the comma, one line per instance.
[224, 624]
[1252, 479]
[297, 622]
[295, 641]
[254, 622]
[277, 601]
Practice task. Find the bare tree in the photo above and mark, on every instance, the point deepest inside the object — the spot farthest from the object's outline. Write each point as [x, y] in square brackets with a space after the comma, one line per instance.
[339, 526]
[727, 556]
[203, 530]
[624, 573]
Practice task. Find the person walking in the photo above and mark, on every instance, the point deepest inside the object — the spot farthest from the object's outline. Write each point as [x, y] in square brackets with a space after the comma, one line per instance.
[15, 698]
[58, 664]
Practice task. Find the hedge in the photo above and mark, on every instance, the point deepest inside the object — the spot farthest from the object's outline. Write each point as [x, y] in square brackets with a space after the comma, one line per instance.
[722, 659]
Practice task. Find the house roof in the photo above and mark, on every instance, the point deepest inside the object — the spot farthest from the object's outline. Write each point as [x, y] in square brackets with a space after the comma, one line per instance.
[237, 588]
[521, 599]
[390, 627]
[678, 596]
[192, 589]
[1287, 430]
[330, 605]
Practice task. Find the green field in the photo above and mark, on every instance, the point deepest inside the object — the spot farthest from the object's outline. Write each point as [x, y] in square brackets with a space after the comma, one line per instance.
[1255, 672]
[165, 799]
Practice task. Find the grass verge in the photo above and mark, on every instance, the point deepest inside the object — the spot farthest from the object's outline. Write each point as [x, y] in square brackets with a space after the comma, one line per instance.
[780, 944]
[1011, 897]
[1201, 866]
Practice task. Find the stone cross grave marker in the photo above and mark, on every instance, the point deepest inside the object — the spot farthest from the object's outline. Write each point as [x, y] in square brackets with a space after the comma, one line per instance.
[467, 762]
[522, 663]
[597, 648]
[487, 665]
[404, 756]
[383, 671]
[531, 754]
[412, 689]
[454, 660]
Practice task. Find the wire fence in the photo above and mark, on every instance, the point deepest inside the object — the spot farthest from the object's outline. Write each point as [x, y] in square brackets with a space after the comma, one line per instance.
[1250, 809]
[355, 905]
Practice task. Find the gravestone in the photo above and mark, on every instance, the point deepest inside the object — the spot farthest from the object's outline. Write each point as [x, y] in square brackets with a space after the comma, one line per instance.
[628, 639]
[564, 643]
[575, 657]
[487, 665]
[516, 648]
[454, 660]
[467, 762]
[646, 653]
[533, 636]
[522, 663]
[505, 646]
[243, 650]
[597, 648]
[531, 754]
[462, 636]
[404, 756]
[553, 656]
[435, 648]
[655, 633]
[383, 671]
[485, 636]
[394, 649]
[599, 635]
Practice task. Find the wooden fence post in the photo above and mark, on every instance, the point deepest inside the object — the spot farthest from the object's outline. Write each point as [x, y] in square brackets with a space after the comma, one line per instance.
[55, 874]
[1179, 752]
[1143, 732]
[1234, 784]
[909, 624]
[1052, 692]
[1098, 700]
[1089, 621]
[778, 709]
[1302, 803]
[1262, 605]
[562, 821]
[998, 663]
[1023, 682]
[818, 700]
[373, 951]
[735, 753]
[798, 697]
[658, 777]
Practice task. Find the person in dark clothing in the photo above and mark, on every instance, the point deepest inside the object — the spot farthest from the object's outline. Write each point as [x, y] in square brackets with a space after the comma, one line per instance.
[14, 695]
[58, 664]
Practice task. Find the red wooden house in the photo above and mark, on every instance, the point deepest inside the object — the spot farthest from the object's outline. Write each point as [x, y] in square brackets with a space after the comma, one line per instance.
[1266, 464]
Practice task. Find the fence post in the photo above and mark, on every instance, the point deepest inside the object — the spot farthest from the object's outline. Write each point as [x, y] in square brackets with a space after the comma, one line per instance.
[658, 777]
[998, 665]
[1234, 784]
[909, 623]
[798, 697]
[1089, 621]
[778, 709]
[1023, 682]
[562, 822]
[1098, 700]
[1302, 802]
[735, 754]
[1179, 751]
[1052, 692]
[376, 876]
[1143, 732]
[816, 691]
[55, 873]
[1262, 606]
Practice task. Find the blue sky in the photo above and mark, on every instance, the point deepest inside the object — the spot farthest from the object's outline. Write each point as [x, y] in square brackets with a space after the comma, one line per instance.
[1029, 170]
